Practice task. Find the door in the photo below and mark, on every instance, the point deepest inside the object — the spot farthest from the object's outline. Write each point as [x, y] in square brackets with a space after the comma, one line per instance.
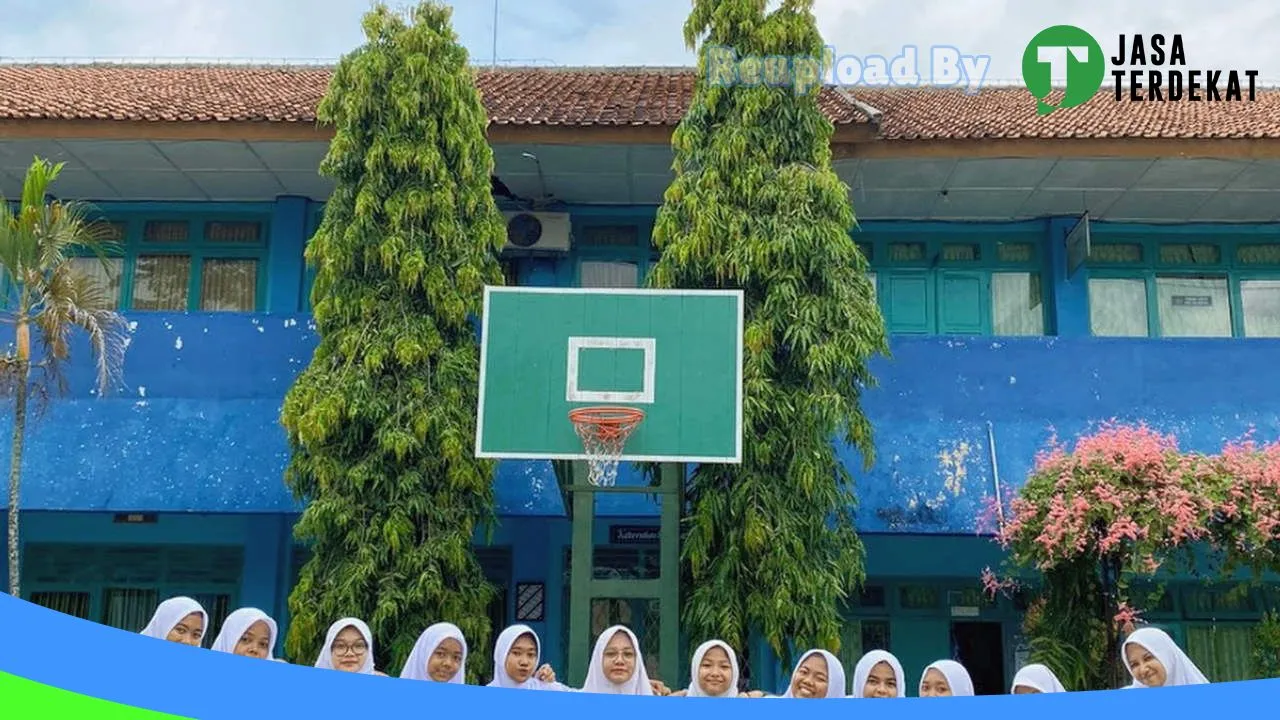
[979, 646]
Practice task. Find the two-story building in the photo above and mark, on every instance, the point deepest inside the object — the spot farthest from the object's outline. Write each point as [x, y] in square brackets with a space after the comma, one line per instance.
[209, 176]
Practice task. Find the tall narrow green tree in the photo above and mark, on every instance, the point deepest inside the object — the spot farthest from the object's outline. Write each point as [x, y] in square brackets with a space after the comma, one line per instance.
[381, 422]
[770, 544]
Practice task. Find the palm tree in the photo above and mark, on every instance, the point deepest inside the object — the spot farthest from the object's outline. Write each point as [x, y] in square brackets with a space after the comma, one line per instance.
[45, 293]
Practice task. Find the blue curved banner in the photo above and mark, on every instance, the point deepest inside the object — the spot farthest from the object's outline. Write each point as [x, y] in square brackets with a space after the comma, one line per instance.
[60, 666]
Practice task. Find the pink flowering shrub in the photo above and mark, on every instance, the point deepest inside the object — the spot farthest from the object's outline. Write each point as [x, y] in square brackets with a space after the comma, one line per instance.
[1123, 490]
[1120, 505]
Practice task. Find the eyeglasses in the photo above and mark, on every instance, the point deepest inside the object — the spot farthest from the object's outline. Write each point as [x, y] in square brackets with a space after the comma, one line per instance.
[339, 648]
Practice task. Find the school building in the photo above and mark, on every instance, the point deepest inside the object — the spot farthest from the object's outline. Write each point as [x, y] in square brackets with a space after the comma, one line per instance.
[1002, 332]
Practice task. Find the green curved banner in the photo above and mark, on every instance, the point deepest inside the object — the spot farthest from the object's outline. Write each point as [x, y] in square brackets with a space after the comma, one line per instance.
[21, 699]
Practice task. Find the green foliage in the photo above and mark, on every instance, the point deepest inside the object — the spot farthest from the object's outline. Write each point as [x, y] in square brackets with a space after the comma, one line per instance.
[770, 544]
[47, 297]
[1266, 647]
[381, 422]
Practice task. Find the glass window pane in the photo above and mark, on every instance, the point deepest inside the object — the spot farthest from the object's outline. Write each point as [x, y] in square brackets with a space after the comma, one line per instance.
[610, 235]
[960, 253]
[106, 274]
[906, 252]
[233, 232]
[594, 274]
[1258, 254]
[159, 231]
[1118, 307]
[1015, 252]
[1190, 254]
[1017, 306]
[71, 603]
[1260, 302]
[128, 608]
[161, 282]
[229, 285]
[1115, 253]
[1193, 307]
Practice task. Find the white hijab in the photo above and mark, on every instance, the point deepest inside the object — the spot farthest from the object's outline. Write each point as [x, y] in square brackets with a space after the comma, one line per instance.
[171, 612]
[415, 668]
[502, 646]
[598, 682]
[1037, 677]
[1178, 668]
[862, 671]
[235, 626]
[325, 661]
[835, 674]
[695, 688]
[957, 677]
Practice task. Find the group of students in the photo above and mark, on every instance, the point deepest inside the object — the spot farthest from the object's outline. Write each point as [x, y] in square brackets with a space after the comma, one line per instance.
[617, 665]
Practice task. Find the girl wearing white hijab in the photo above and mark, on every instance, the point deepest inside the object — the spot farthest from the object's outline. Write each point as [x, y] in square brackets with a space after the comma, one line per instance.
[1155, 660]
[715, 672]
[180, 620]
[946, 678]
[348, 646]
[818, 675]
[439, 655]
[1036, 678]
[248, 632]
[879, 675]
[617, 666]
[515, 662]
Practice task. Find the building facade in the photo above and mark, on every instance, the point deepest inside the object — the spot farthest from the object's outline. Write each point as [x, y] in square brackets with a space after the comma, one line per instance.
[1000, 338]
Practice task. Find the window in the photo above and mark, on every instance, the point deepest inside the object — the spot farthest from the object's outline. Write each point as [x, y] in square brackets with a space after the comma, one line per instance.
[1192, 289]
[612, 253]
[859, 636]
[120, 585]
[1223, 651]
[175, 265]
[599, 274]
[963, 286]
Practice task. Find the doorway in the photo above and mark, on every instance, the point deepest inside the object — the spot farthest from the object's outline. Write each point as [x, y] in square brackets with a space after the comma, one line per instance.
[979, 646]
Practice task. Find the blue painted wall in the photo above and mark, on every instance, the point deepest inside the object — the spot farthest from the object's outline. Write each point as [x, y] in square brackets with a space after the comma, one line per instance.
[196, 428]
[196, 425]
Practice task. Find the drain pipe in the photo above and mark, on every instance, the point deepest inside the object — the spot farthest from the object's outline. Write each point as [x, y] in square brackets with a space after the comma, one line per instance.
[995, 472]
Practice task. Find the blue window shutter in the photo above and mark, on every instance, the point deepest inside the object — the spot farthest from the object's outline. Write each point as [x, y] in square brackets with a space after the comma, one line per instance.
[907, 302]
[963, 302]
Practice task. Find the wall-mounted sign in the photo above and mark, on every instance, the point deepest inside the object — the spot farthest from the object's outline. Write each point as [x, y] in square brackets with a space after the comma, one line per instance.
[1193, 301]
[633, 535]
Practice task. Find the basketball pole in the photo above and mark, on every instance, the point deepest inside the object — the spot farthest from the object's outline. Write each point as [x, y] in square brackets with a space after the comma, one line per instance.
[585, 587]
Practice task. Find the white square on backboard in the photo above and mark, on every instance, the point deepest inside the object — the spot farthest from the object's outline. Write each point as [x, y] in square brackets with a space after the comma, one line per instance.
[577, 344]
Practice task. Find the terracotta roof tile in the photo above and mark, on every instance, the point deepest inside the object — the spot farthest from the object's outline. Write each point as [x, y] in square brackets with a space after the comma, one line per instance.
[1010, 113]
[601, 96]
[520, 96]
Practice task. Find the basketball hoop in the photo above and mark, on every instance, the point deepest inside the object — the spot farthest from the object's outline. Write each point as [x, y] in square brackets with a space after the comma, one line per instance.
[604, 432]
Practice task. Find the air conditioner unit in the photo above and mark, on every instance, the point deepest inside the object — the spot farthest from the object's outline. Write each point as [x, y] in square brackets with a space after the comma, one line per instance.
[537, 232]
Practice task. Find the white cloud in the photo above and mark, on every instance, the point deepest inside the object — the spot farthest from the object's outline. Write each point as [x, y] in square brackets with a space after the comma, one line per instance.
[626, 32]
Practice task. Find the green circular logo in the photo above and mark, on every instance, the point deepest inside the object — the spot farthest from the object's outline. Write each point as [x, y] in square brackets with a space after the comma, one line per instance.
[1063, 51]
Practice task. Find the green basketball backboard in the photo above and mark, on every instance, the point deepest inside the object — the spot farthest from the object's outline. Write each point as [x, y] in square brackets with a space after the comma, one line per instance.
[675, 354]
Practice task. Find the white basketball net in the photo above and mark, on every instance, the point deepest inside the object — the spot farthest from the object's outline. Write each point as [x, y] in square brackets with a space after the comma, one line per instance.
[603, 443]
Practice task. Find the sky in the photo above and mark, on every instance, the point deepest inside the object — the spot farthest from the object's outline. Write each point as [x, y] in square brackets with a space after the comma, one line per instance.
[618, 32]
